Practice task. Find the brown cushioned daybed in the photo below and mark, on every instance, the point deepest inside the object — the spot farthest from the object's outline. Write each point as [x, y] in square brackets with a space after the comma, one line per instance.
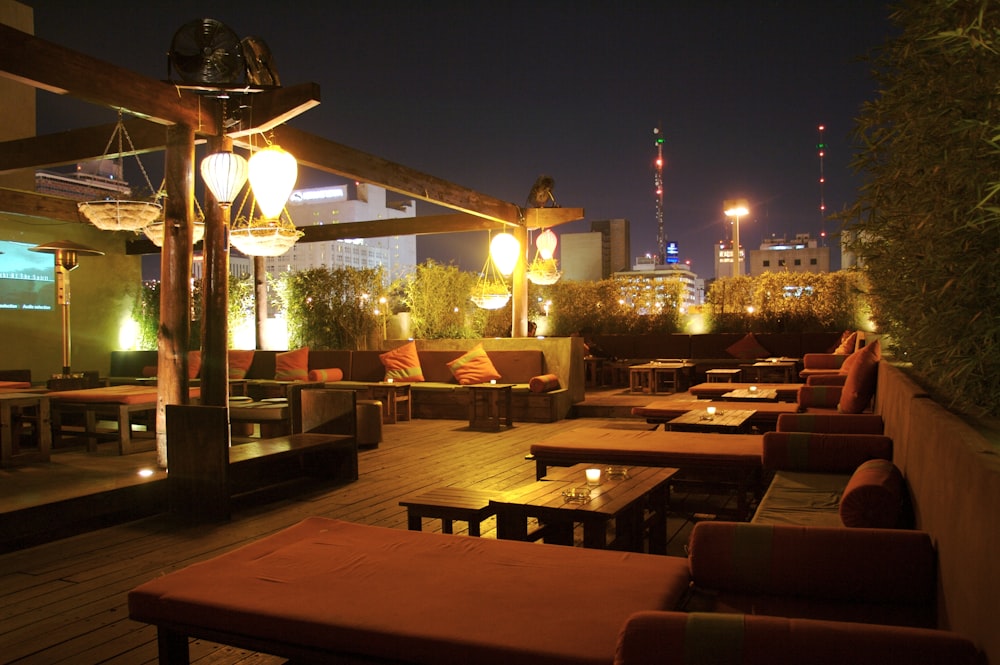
[331, 591]
[726, 459]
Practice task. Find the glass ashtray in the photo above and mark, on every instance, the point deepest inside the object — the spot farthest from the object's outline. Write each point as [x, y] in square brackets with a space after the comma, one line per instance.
[616, 472]
[577, 494]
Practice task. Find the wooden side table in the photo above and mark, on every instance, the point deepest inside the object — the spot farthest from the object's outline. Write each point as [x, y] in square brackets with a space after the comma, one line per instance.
[490, 406]
[395, 398]
[449, 504]
[18, 411]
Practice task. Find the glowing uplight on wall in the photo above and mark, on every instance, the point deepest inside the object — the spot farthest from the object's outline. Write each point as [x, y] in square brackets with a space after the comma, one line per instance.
[504, 250]
[128, 335]
[272, 172]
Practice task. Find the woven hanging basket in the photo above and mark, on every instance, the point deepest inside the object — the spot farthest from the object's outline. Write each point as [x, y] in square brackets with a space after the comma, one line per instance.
[543, 272]
[155, 232]
[264, 237]
[114, 215]
[490, 295]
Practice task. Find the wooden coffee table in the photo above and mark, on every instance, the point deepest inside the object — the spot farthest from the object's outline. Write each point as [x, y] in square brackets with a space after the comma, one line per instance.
[491, 406]
[637, 505]
[747, 395]
[395, 398]
[724, 420]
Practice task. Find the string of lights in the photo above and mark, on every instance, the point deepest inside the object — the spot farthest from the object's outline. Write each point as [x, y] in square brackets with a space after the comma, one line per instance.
[821, 149]
[661, 238]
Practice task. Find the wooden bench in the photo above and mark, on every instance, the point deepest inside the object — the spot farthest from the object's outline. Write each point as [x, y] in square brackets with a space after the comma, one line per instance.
[206, 472]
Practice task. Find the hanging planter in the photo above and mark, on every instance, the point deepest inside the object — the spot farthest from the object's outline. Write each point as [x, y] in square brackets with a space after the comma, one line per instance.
[155, 232]
[491, 291]
[264, 237]
[121, 215]
[543, 272]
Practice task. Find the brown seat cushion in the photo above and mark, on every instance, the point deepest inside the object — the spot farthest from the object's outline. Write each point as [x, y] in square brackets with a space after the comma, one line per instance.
[417, 597]
[126, 394]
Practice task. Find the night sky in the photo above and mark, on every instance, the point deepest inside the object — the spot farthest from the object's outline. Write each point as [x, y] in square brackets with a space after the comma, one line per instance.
[491, 95]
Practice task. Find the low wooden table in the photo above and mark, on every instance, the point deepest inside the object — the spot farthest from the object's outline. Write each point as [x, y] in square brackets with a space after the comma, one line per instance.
[273, 416]
[722, 375]
[395, 398]
[18, 412]
[658, 378]
[637, 504]
[747, 395]
[698, 420]
[775, 371]
[491, 406]
[449, 504]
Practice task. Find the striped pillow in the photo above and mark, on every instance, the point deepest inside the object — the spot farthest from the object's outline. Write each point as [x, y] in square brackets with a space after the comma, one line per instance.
[403, 364]
[292, 365]
[474, 366]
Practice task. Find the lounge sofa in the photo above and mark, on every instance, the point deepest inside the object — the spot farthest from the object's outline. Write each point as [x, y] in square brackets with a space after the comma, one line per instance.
[518, 361]
[716, 350]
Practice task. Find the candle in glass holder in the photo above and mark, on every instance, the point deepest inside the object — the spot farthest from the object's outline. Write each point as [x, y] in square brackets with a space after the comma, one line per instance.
[753, 389]
[389, 380]
[711, 411]
[593, 476]
[493, 382]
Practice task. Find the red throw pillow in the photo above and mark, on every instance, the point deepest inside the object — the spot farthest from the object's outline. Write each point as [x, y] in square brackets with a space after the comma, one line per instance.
[194, 364]
[239, 363]
[859, 386]
[327, 375]
[543, 383]
[748, 347]
[474, 366]
[292, 365]
[873, 498]
[403, 364]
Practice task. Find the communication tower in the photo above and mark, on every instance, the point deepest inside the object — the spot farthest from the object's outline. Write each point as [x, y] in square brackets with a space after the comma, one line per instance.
[661, 238]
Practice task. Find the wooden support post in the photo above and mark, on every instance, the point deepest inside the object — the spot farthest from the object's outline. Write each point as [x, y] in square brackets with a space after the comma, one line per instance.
[260, 298]
[175, 276]
[215, 294]
[519, 297]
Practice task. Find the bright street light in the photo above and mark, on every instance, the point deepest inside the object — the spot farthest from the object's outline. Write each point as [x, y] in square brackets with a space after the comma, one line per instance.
[736, 208]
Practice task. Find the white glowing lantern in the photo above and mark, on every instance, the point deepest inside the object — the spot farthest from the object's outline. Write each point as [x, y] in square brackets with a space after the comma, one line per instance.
[504, 250]
[272, 173]
[224, 173]
[546, 244]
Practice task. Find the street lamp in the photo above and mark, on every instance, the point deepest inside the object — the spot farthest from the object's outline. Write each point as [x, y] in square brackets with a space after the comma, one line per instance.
[736, 208]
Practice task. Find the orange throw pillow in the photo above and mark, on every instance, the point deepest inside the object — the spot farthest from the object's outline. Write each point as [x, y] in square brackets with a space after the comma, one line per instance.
[403, 364]
[474, 366]
[292, 365]
[239, 363]
[543, 383]
[847, 344]
[859, 386]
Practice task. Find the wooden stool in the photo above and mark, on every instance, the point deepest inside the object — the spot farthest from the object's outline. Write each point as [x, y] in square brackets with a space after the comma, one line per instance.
[448, 504]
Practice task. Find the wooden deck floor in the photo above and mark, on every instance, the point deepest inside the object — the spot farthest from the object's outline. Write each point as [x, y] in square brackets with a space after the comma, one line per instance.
[65, 601]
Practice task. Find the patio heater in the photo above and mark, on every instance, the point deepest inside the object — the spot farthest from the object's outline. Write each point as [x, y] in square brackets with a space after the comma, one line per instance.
[67, 255]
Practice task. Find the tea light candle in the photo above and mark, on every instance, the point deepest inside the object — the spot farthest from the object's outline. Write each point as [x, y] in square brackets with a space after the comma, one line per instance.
[753, 389]
[493, 382]
[711, 411]
[593, 476]
[389, 380]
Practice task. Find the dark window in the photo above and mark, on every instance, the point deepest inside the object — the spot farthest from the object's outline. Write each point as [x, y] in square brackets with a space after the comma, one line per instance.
[798, 262]
[781, 262]
[767, 264]
[812, 262]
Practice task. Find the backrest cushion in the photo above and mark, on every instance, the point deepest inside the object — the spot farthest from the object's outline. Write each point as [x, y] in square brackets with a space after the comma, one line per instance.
[748, 347]
[292, 365]
[402, 363]
[859, 388]
[873, 497]
[474, 366]
[239, 363]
